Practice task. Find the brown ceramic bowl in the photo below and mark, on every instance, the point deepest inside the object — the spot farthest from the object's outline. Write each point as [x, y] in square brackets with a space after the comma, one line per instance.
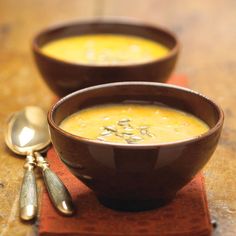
[65, 77]
[135, 176]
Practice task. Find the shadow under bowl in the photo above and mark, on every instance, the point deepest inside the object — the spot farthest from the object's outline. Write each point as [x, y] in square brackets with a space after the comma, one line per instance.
[135, 176]
[64, 77]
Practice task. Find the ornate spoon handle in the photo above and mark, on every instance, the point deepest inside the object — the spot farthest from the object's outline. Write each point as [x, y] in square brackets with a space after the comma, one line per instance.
[28, 193]
[57, 191]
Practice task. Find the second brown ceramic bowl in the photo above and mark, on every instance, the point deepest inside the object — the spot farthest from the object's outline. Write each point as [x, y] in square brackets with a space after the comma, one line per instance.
[65, 77]
[135, 176]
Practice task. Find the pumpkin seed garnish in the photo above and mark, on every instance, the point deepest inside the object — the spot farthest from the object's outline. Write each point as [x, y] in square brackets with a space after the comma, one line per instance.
[100, 138]
[150, 134]
[123, 122]
[133, 139]
[105, 132]
[137, 138]
[128, 128]
[127, 133]
[129, 141]
[110, 128]
[119, 135]
[143, 131]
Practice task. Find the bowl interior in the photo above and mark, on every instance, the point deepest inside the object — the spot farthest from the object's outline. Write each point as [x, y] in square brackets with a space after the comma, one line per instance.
[160, 35]
[139, 92]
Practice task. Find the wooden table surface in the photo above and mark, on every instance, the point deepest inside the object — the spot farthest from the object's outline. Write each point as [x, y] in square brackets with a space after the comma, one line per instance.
[207, 31]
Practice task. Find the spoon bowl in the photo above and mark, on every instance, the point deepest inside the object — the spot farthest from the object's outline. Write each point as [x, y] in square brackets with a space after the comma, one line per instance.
[27, 131]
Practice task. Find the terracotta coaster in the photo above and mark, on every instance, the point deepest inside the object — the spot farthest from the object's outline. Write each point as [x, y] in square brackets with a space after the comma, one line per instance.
[186, 215]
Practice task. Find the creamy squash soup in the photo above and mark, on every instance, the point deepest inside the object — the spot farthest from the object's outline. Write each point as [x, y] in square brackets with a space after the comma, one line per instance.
[134, 124]
[105, 49]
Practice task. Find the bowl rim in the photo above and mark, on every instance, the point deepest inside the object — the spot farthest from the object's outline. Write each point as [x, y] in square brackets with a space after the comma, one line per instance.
[217, 126]
[108, 20]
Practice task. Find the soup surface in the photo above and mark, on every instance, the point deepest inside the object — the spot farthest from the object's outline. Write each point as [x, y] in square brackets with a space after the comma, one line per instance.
[134, 124]
[105, 49]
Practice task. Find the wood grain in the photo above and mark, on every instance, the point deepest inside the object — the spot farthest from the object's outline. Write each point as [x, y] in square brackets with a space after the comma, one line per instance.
[207, 33]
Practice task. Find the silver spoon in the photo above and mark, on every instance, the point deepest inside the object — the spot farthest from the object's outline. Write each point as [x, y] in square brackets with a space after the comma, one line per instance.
[27, 133]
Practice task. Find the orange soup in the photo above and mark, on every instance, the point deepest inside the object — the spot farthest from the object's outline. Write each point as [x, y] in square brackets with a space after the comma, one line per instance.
[105, 49]
[134, 124]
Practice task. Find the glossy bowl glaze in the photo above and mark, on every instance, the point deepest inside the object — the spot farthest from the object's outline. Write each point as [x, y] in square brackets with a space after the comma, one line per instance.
[65, 77]
[134, 176]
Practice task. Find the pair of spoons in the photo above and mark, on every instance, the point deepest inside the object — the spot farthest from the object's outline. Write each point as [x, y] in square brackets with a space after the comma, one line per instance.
[27, 134]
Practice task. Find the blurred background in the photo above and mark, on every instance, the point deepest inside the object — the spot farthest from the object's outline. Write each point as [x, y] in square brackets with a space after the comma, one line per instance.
[207, 32]
[206, 29]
